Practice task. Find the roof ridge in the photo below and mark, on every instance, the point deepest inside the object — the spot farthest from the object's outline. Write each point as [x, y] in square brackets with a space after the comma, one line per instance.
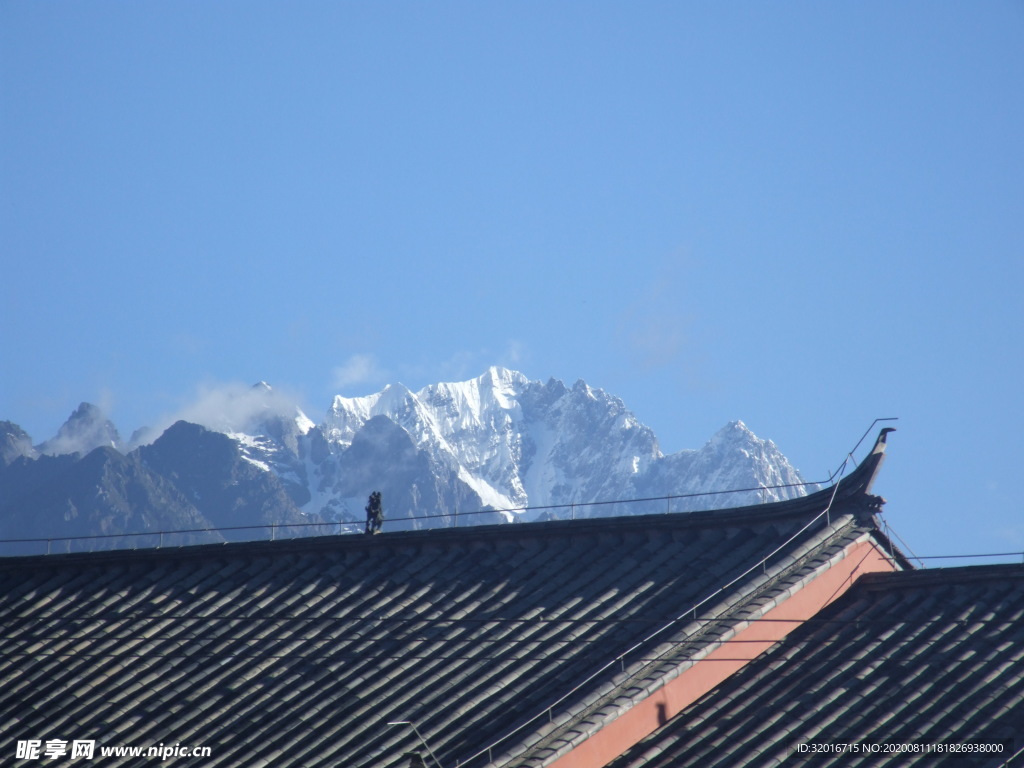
[759, 513]
[947, 575]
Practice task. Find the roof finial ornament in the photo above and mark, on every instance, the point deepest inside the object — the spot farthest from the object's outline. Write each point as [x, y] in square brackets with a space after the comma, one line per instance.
[875, 458]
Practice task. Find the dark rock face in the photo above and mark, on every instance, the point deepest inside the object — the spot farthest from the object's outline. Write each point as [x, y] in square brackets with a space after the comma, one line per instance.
[101, 493]
[190, 479]
[14, 443]
[230, 491]
[415, 486]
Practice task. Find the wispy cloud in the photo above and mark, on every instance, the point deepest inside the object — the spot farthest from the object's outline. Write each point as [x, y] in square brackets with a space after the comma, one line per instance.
[654, 329]
[656, 332]
[513, 355]
[465, 364]
[1013, 535]
[228, 407]
[86, 429]
[358, 369]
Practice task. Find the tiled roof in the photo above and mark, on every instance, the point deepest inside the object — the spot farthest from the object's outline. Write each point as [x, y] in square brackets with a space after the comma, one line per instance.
[519, 638]
[913, 658]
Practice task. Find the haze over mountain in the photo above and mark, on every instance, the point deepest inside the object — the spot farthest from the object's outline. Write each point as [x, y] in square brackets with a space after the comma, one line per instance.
[499, 447]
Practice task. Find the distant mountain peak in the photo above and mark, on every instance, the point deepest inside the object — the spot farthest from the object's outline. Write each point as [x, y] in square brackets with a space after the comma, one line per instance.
[502, 377]
[14, 443]
[86, 428]
[734, 430]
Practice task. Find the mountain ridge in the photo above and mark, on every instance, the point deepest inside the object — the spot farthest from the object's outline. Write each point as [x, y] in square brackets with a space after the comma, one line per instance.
[500, 446]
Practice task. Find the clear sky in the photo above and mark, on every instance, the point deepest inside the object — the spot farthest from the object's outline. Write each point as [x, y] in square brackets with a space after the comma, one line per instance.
[803, 215]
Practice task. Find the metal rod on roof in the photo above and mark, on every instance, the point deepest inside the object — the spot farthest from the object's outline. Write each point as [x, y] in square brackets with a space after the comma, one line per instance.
[420, 737]
[866, 433]
[888, 539]
[835, 488]
[341, 527]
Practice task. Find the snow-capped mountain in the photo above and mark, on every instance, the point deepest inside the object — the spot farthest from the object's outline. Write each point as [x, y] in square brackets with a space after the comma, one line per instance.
[519, 443]
[499, 447]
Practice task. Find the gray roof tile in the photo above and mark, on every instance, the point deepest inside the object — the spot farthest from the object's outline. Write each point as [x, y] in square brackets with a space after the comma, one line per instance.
[925, 657]
[298, 653]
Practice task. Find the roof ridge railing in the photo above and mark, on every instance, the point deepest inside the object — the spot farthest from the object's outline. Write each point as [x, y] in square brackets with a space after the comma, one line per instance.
[345, 527]
[454, 516]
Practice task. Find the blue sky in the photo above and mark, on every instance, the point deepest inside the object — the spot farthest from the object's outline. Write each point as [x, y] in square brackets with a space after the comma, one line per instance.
[801, 215]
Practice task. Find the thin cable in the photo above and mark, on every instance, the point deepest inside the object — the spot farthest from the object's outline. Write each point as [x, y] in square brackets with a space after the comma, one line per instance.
[889, 529]
[1013, 757]
[356, 524]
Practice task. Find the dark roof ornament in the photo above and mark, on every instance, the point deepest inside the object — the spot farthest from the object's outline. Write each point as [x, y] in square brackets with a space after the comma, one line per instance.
[876, 457]
[855, 488]
[871, 502]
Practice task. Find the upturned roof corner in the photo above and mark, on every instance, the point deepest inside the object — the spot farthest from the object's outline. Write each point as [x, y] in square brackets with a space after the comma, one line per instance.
[855, 489]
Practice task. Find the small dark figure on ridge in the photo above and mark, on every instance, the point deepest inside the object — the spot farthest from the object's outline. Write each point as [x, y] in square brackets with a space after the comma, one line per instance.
[374, 513]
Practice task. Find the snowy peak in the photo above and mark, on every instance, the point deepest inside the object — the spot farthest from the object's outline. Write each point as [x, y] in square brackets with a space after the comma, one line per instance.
[735, 458]
[736, 434]
[275, 416]
[450, 421]
[259, 410]
[477, 401]
[347, 415]
[735, 438]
